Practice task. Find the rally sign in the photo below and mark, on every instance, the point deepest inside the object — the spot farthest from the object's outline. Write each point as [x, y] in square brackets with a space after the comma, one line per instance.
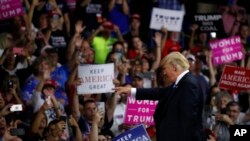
[235, 78]
[171, 19]
[226, 50]
[209, 22]
[96, 78]
[135, 134]
[140, 111]
[10, 8]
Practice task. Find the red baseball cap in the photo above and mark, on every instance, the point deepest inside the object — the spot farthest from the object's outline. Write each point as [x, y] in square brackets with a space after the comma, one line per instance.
[54, 15]
[50, 83]
[136, 16]
[108, 25]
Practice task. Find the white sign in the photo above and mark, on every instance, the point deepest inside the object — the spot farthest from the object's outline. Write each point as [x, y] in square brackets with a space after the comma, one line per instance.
[96, 79]
[171, 19]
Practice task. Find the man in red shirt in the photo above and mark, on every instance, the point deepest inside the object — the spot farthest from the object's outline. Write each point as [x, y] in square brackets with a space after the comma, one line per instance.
[171, 44]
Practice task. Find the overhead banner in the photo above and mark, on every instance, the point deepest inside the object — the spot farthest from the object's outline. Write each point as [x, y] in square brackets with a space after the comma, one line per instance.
[235, 78]
[10, 8]
[171, 19]
[140, 111]
[209, 22]
[96, 79]
[226, 50]
[138, 133]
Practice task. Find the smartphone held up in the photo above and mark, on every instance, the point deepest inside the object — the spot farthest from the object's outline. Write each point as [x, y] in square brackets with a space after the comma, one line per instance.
[213, 35]
[10, 84]
[16, 108]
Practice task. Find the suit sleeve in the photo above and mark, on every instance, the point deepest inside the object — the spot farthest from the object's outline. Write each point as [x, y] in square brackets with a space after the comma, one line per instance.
[150, 93]
[190, 112]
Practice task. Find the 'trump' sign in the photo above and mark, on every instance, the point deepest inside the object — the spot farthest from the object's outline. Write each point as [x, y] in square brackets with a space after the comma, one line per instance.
[235, 78]
[10, 8]
[140, 111]
[209, 22]
[135, 134]
[96, 78]
[172, 19]
[226, 50]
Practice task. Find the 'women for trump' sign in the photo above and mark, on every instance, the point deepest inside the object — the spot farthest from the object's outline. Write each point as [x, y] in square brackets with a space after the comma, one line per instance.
[140, 111]
[96, 78]
[226, 50]
[10, 8]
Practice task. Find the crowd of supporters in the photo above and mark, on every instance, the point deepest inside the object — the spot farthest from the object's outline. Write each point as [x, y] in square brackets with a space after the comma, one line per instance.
[41, 50]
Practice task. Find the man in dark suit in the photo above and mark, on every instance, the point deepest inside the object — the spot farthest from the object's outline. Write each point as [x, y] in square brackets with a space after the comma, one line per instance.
[178, 115]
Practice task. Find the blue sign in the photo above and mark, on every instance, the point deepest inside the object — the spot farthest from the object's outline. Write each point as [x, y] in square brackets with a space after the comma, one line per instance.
[135, 134]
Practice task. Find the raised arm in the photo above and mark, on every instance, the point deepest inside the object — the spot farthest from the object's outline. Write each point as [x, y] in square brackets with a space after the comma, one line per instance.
[110, 106]
[76, 40]
[111, 5]
[211, 68]
[111, 103]
[72, 82]
[34, 4]
[93, 136]
[123, 70]
[158, 43]
[165, 36]
[13, 91]
[194, 27]
[27, 4]
[97, 31]
[37, 100]
[56, 106]
[118, 33]
[125, 7]
[35, 127]
[67, 23]
[73, 123]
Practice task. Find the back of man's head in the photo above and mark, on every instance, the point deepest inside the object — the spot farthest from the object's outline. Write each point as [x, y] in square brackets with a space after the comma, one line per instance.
[176, 58]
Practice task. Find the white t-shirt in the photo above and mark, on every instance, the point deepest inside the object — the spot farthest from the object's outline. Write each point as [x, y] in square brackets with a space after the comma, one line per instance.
[119, 116]
[240, 119]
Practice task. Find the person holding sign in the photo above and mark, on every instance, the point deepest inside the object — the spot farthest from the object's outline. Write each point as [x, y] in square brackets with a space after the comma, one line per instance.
[171, 43]
[178, 115]
[103, 44]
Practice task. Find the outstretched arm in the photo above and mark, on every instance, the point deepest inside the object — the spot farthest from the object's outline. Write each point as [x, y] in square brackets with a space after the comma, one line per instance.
[143, 93]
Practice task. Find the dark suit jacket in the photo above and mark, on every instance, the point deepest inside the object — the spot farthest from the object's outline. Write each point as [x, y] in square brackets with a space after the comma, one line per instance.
[178, 115]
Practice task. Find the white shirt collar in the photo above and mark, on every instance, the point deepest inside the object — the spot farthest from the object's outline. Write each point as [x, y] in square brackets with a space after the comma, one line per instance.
[180, 76]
